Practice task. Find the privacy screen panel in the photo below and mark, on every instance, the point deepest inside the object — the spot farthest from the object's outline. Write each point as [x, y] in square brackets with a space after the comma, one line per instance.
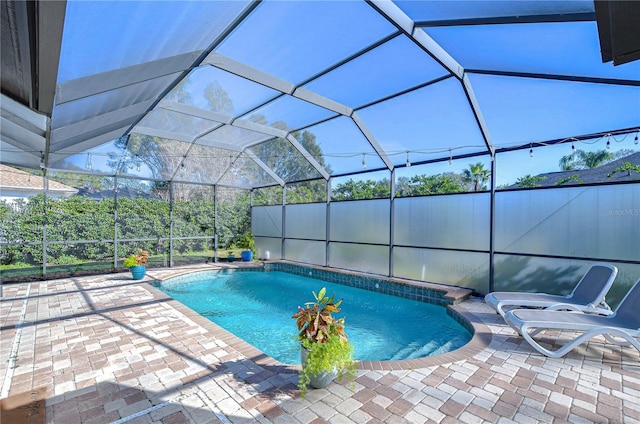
[357, 257]
[306, 221]
[452, 222]
[266, 221]
[365, 221]
[268, 248]
[310, 252]
[463, 269]
[556, 276]
[584, 222]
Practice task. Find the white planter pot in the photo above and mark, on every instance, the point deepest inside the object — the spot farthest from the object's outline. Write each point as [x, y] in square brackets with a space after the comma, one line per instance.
[321, 380]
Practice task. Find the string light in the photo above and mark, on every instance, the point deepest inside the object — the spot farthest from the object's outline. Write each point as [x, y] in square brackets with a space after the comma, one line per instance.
[135, 158]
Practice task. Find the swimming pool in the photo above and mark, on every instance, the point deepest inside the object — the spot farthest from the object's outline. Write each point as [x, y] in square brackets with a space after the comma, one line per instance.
[257, 307]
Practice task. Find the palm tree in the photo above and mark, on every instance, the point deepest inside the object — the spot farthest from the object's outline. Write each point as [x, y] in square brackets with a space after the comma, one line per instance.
[594, 159]
[569, 162]
[584, 160]
[477, 175]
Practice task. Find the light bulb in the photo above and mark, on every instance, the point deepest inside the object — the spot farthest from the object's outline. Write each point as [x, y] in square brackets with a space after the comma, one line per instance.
[450, 157]
[408, 160]
[635, 140]
[364, 162]
[608, 144]
[531, 151]
[88, 165]
[573, 148]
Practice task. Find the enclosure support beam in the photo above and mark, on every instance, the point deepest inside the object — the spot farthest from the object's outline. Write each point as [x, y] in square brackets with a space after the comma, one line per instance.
[492, 222]
[171, 224]
[45, 186]
[283, 254]
[392, 202]
[115, 222]
[215, 224]
[327, 224]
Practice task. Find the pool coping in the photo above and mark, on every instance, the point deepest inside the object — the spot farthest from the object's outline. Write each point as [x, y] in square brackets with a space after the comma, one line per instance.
[480, 339]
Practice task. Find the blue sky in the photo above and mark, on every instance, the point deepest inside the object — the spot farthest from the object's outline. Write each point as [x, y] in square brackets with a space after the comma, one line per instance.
[295, 40]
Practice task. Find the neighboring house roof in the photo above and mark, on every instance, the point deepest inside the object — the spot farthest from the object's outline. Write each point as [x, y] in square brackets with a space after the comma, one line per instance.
[14, 180]
[592, 175]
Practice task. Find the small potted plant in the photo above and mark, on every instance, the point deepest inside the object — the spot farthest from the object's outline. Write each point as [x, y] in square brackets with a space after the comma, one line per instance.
[137, 264]
[326, 352]
[230, 256]
[248, 244]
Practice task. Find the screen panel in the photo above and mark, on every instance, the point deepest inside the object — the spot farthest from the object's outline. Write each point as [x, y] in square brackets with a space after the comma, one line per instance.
[307, 251]
[266, 221]
[560, 48]
[312, 35]
[306, 221]
[358, 257]
[452, 222]
[556, 276]
[399, 62]
[421, 122]
[591, 222]
[462, 269]
[268, 248]
[363, 221]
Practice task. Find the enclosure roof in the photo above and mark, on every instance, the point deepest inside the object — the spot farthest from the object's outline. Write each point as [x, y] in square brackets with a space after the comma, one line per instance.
[251, 94]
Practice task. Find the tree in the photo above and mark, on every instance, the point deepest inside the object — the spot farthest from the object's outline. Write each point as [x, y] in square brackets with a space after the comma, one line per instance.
[267, 196]
[529, 181]
[218, 99]
[584, 160]
[285, 160]
[356, 190]
[420, 185]
[569, 162]
[307, 192]
[477, 176]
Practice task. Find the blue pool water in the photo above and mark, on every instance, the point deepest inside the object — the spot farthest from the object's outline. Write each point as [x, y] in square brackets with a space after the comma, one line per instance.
[257, 307]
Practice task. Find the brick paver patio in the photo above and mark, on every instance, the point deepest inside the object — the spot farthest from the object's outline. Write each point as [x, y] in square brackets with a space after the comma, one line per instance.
[107, 349]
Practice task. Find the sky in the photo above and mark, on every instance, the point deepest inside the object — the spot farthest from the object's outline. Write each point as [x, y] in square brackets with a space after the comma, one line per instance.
[292, 41]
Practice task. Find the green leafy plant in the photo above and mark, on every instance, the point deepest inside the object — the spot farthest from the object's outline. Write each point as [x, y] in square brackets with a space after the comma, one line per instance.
[247, 242]
[529, 181]
[565, 180]
[137, 259]
[324, 338]
[626, 166]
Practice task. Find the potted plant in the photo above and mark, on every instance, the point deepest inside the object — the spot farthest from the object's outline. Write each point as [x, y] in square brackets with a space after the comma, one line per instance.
[326, 352]
[248, 244]
[137, 264]
[230, 256]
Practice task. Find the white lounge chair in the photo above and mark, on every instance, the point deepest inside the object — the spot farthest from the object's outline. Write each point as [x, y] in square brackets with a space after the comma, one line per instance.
[587, 296]
[624, 322]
